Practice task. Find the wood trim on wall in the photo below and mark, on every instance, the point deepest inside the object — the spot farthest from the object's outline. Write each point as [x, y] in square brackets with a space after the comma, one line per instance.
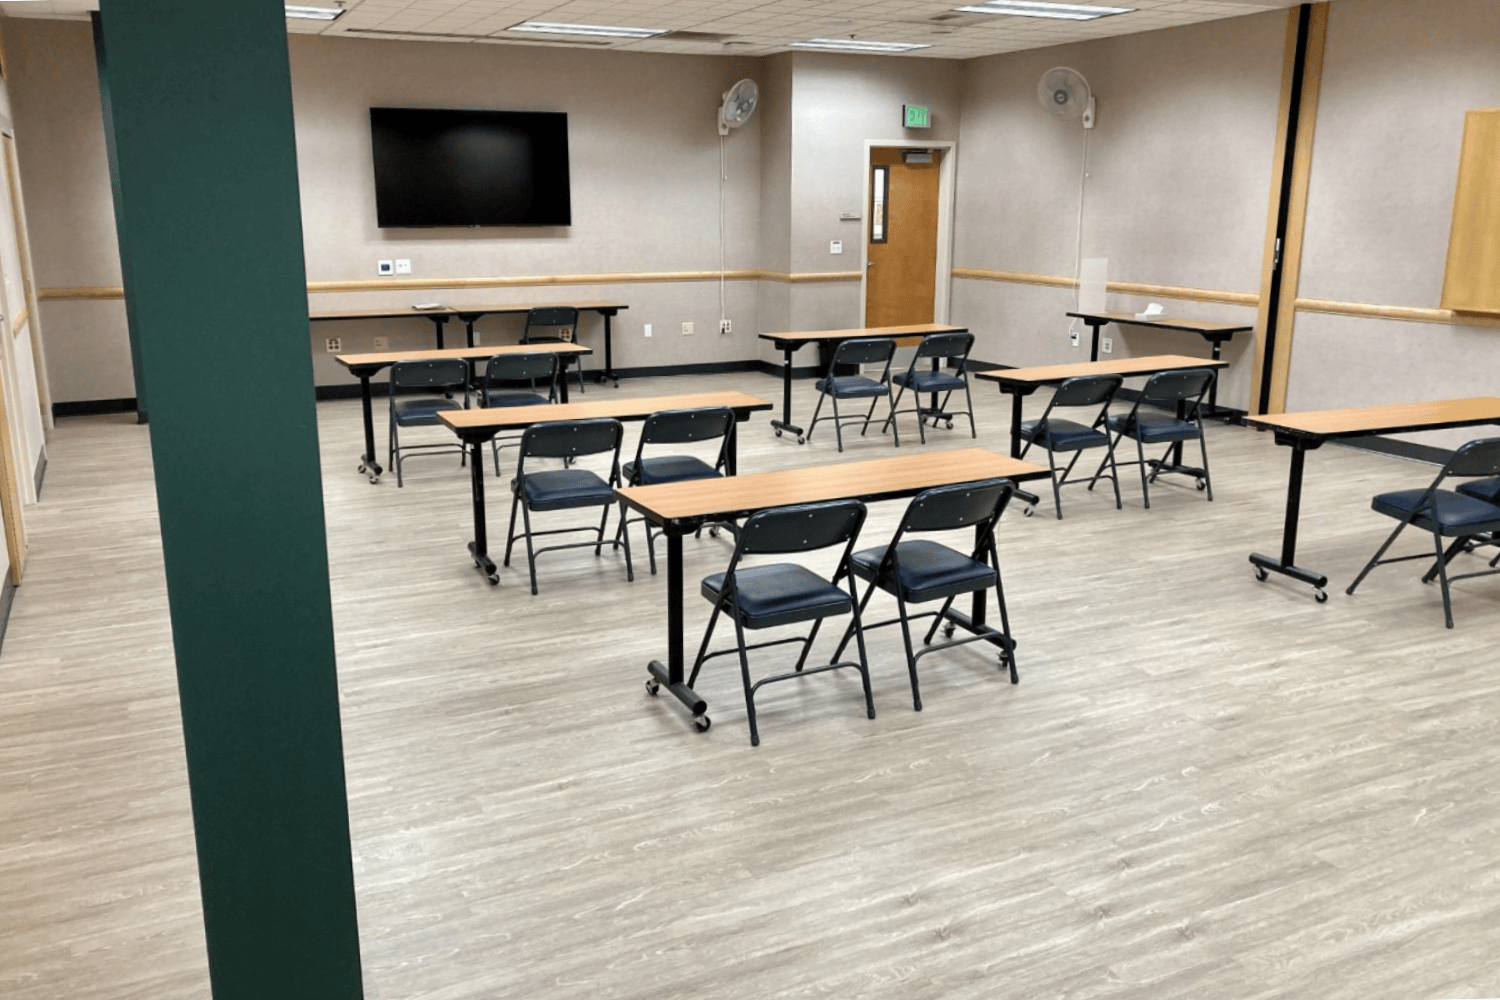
[77, 294]
[1405, 314]
[1119, 287]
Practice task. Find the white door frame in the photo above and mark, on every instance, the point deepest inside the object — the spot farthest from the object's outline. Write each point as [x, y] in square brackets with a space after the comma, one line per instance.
[942, 286]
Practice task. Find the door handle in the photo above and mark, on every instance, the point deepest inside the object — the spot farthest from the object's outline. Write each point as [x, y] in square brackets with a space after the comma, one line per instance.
[869, 263]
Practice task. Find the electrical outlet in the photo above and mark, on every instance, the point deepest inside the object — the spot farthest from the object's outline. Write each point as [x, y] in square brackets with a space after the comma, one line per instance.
[1106, 345]
[648, 329]
[403, 267]
[335, 345]
[1073, 338]
[687, 329]
[382, 343]
[385, 267]
[725, 326]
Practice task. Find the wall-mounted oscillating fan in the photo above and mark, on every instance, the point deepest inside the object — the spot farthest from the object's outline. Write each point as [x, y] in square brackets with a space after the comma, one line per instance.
[1064, 94]
[738, 106]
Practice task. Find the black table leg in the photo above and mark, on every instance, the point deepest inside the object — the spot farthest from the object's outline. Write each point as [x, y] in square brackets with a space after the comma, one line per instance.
[672, 674]
[609, 361]
[785, 423]
[479, 548]
[1286, 564]
[438, 322]
[562, 376]
[1015, 424]
[367, 463]
[1096, 325]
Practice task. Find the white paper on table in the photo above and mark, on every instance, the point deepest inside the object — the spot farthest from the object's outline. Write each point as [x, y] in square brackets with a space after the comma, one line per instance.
[1092, 275]
[1150, 312]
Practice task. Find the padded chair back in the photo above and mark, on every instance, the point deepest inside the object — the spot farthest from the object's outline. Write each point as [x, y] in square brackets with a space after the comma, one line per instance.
[440, 373]
[521, 368]
[571, 438]
[800, 528]
[1477, 458]
[944, 508]
[1172, 387]
[946, 345]
[704, 423]
[550, 317]
[1086, 390]
[864, 351]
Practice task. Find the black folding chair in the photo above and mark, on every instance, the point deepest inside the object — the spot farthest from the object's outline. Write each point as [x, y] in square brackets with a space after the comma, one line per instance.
[860, 351]
[1059, 435]
[918, 570]
[568, 488]
[677, 427]
[1182, 393]
[951, 352]
[500, 386]
[777, 594]
[562, 322]
[433, 378]
[1443, 513]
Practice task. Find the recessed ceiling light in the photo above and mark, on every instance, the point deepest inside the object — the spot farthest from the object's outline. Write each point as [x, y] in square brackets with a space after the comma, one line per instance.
[314, 13]
[594, 30]
[1037, 8]
[856, 45]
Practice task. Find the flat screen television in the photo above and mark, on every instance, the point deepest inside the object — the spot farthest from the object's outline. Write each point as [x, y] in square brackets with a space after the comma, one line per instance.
[437, 167]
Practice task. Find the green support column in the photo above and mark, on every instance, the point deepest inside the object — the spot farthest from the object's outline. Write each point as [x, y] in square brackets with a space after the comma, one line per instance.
[200, 109]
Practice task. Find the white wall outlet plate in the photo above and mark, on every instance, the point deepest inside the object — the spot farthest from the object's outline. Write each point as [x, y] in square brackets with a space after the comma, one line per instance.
[835, 246]
[403, 267]
[687, 329]
[334, 345]
[382, 343]
[1106, 345]
[1073, 337]
[385, 267]
[648, 329]
[725, 326]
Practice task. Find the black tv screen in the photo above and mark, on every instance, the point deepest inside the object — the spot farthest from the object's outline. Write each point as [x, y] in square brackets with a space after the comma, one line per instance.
[438, 167]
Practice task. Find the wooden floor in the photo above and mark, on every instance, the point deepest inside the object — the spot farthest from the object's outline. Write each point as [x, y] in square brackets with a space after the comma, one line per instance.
[1204, 786]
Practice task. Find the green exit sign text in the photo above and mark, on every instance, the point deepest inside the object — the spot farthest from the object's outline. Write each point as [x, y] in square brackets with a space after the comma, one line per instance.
[916, 115]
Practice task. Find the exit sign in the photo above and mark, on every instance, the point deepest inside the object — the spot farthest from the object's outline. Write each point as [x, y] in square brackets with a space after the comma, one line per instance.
[916, 115]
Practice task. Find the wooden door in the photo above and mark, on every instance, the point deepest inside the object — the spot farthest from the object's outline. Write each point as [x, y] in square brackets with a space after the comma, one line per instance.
[901, 240]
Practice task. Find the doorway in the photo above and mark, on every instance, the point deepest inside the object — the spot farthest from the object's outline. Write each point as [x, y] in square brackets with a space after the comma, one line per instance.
[908, 242]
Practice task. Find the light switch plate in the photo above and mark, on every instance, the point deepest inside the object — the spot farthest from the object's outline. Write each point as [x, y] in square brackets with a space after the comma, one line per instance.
[835, 246]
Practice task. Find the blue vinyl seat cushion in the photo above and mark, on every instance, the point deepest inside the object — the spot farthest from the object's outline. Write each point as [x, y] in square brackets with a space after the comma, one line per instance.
[926, 570]
[669, 469]
[1483, 489]
[1063, 435]
[422, 410]
[1453, 513]
[852, 386]
[780, 594]
[938, 381]
[1162, 431]
[560, 489]
[510, 397]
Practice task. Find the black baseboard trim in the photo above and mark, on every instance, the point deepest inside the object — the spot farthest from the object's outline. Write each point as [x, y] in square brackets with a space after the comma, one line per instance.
[7, 600]
[94, 407]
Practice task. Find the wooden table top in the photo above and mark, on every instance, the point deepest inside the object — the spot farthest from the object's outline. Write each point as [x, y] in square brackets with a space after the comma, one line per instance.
[914, 330]
[1166, 322]
[1391, 418]
[395, 312]
[877, 479]
[478, 353]
[1049, 374]
[509, 417]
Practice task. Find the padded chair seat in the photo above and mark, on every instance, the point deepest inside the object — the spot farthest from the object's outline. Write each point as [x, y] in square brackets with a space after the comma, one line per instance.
[560, 489]
[1453, 513]
[780, 594]
[1163, 431]
[1063, 435]
[1482, 489]
[510, 397]
[423, 410]
[669, 469]
[926, 570]
[852, 386]
[938, 381]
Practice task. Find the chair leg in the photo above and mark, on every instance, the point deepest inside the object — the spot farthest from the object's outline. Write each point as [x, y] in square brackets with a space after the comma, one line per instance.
[1375, 559]
[510, 533]
[1459, 544]
[896, 431]
[838, 423]
[1056, 489]
[911, 656]
[739, 634]
[816, 410]
[393, 452]
[651, 544]
[849, 632]
[530, 551]
[900, 391]
[703, 646]
[1208, 483]
[1437, 544]
[869, 414]
[807, 644]
[969, 402]
[1010, 654]
[937, 621]
[864, 662]
[625, 543]
[1140, 452]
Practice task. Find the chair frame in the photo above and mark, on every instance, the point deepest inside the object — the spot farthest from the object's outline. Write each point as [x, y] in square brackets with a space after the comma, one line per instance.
[427, 374]
[1472, 460]
[516, 368]
[1064, 397]
[770, 521]
[938, 347]
[857, 351]
[978, 505]
[554, 317]
[567, 440]
[1188, 407]
[666, 427]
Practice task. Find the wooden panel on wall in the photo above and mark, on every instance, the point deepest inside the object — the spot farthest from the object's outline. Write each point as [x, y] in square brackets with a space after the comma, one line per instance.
[1471, 281]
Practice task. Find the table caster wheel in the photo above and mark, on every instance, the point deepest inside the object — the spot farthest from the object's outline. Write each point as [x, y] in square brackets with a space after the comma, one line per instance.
[1202, 485]
[652, 688]
[713, 532]
[948, 630]
[374, 480]
[1261, 574]
[1320, 595]
[950, 425]
[801, 439]
[494, 580]
[1028, 510]
[778, 432]
[701, 723]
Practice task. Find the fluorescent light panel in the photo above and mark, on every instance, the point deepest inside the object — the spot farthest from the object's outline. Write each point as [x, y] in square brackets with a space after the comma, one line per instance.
[856, 45]
[1037, 8]
[593, 30]
[314, 13]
